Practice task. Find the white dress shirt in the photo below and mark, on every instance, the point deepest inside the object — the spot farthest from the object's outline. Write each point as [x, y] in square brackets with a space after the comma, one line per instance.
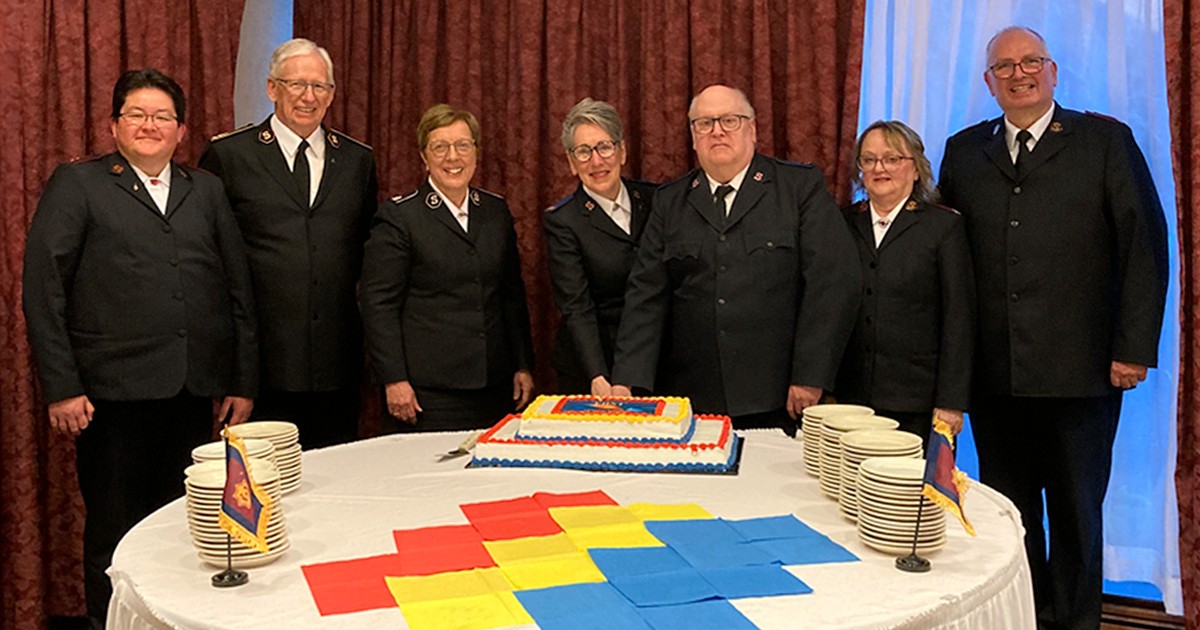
[620, 210]
[460, 214]
[289, 141]
[159, 186]
[1036, 130]
[736, 182]
[881, 224]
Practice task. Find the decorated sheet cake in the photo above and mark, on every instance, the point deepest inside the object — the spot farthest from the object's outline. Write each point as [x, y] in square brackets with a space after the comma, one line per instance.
[625, 434]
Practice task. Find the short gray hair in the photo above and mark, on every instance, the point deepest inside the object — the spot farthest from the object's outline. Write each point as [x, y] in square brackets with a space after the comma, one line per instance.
[295, 48]
[592, 112]
[987, 61]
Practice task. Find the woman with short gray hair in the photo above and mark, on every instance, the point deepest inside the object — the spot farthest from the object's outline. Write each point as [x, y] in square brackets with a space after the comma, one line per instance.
[591, 239]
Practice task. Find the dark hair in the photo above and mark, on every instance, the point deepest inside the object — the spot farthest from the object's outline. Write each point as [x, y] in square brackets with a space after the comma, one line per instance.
[132, 80]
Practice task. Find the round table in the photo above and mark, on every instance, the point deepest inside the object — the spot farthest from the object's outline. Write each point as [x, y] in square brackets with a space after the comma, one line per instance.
[354, 495]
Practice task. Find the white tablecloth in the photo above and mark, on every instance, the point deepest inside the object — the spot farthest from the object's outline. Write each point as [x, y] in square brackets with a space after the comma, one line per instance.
[354, 495]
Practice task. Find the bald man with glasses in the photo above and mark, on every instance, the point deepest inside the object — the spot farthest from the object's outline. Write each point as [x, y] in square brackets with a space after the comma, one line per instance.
[746, 285]
[1068, 240]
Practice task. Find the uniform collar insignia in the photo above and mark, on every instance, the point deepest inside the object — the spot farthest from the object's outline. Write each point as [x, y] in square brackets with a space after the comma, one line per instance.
[911, 205]
[117, 169]
[433, 200]
[475, 197]
[695, 182]
[333, 140]
[758, 176]
[637, 194]
[589, 205]
[996, 129]
[1056, 127]
[266, 136]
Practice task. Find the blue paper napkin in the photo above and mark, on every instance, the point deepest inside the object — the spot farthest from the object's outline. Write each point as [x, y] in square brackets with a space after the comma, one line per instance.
[636, 561]
[723, 555]
[758, 581]
[716, 614]
[595, 606]
[661, 589]
[772, 527]
[811, 550]
[694, 532]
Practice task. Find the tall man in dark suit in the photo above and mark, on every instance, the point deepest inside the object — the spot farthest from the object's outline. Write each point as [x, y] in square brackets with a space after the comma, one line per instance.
[303, 196]
[746, 282]
[137, 297]
[1069, 247]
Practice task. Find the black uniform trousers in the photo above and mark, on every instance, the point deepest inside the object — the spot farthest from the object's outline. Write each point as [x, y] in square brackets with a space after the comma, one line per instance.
[324, 418]
[444, 409]
[130, 460]
[1062, 446]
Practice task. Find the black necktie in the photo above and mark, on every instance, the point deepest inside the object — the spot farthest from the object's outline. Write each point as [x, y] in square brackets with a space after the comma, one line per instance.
[1023, 138]
[719, 198]
[300, 172]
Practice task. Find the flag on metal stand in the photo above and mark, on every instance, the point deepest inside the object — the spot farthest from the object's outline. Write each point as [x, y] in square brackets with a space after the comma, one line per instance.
[245, 510]
[945, 484]
[245, 506]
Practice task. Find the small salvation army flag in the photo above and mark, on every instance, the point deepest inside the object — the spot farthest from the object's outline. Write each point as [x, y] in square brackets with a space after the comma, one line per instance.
[945, 484]
[245, 506]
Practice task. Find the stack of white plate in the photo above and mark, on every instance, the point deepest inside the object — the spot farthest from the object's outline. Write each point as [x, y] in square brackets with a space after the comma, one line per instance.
[829, 462]
[213, 451]
[205, 484]
[862, 444]
[286, 438]
[889, 495]
[810, 430]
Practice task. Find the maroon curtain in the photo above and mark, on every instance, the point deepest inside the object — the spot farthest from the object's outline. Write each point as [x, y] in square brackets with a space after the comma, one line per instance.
[62, 59]
[1181, 23]
[519, 65]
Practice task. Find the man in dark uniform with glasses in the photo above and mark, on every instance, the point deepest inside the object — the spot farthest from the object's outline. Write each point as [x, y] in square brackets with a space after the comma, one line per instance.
[303, 196]
[747, 281]
[1069, 246]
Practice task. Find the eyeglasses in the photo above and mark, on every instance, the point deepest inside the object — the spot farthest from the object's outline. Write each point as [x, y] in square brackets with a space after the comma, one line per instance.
[729, 122]
[137, 118]
[605, 149]
[1029, 65]
[889, 162]
[442, 149]
[296, 87]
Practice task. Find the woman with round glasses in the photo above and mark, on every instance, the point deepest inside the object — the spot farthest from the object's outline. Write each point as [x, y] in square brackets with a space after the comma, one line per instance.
[911, 351]
[443, 303]
[591, 239]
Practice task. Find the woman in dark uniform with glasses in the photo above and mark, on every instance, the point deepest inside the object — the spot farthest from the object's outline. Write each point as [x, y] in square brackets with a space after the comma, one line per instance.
[591, 241]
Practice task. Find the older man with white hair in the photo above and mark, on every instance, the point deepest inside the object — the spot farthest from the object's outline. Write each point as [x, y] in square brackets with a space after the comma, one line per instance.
[746, 285]
[303, 195]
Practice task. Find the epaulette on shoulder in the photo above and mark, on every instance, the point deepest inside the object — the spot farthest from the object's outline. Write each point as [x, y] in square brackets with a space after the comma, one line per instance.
[490, 193]
[1102, 116]
[945, 208]
[79, 159]
[399, 199]
[561, 202]
[344, 136]
[685, 179]
[222, 136]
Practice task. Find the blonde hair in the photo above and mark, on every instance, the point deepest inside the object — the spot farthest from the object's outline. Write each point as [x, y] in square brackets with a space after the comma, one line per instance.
[902, 138]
